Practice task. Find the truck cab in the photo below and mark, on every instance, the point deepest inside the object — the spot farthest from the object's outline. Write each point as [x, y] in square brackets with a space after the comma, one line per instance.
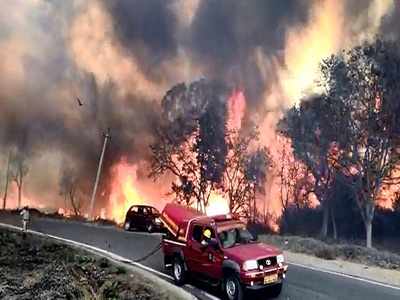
[220, 250]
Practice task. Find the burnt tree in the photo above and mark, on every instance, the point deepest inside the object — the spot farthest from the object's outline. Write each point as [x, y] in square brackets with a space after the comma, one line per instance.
[70, 191]
[19, 169]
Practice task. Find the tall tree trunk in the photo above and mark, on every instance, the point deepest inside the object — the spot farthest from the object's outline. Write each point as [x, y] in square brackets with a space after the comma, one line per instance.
[333, 224]
[7, 180]
[255, 210]
[65, 204]
[368, 232]
[325, 221]
[19, 194]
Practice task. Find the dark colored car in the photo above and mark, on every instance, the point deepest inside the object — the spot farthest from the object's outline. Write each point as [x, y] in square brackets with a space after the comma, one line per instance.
[143, 217]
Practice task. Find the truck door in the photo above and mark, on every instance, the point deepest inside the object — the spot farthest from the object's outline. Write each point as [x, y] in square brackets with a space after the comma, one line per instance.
[203, 259]
[212, 259]
[195, 255]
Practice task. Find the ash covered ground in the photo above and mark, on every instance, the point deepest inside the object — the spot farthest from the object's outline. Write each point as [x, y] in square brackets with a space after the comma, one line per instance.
[36, 268]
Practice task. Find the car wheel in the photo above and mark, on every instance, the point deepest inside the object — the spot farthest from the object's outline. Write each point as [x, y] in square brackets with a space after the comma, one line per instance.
[178, 271]
[232, 288]
[276, 290]
[150, 228]
[127, 225]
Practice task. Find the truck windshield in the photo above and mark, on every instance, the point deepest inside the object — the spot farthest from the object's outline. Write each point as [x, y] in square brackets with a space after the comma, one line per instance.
[235, 236]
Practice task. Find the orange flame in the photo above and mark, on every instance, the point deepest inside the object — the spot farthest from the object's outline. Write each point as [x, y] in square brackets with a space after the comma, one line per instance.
[236, 109]
[217, 205]
[123, 191]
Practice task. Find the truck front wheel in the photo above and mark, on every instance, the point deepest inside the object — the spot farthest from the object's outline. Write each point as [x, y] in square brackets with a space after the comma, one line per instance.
[178, 271]
[276, 290]
[232, 288]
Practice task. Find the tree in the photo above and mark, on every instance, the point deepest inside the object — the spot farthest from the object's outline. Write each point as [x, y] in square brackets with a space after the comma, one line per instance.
[69, 190]
[180, 160]
[295, 181]
[7, 182]
[245, 172]
[365, 88]
[312, 131]
[193, 144]
[396, 202]
[190, 142]
[19, 169]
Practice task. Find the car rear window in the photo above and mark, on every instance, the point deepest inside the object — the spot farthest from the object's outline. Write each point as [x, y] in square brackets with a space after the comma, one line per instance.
[134, 209]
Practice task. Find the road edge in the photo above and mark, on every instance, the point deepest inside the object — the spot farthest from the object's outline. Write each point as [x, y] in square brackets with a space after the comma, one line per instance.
[315, 263]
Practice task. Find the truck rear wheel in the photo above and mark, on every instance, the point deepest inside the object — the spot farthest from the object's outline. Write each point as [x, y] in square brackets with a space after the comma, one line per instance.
[178, 271]
[232, 288]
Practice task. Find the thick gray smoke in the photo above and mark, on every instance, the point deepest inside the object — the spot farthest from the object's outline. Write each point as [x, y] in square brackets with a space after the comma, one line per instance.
[221, 37]
[119, 58]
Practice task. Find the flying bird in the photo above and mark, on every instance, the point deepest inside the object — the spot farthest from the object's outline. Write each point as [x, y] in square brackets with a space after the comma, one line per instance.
[79, 101]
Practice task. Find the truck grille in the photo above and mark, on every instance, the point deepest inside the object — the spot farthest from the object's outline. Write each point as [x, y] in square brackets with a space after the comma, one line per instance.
[267, 262]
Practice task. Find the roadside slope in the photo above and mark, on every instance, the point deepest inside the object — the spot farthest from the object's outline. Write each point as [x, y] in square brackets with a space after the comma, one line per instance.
[39, 266]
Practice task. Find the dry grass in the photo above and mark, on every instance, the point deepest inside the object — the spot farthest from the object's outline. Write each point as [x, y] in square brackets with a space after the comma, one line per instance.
[321, 249]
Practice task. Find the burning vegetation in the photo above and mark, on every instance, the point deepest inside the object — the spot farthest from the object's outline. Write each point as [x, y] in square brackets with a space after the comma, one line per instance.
[247, 106]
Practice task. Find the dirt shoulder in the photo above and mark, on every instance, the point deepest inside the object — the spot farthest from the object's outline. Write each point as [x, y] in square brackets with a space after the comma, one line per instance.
[39, 268]
[371, 264]
[385, 276]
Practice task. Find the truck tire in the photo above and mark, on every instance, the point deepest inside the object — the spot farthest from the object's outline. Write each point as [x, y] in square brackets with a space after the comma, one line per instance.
[276, 290]
[232, 288]
[178, 271]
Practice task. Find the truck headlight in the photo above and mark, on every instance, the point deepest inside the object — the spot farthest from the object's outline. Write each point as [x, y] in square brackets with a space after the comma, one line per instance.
[250, 265]
[280, 259]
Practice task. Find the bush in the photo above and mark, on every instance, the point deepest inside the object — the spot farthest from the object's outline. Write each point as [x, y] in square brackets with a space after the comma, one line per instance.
[325, 253]
[300, 221]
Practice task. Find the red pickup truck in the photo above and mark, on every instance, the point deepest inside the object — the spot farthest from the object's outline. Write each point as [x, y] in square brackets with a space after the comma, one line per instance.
[221, 251]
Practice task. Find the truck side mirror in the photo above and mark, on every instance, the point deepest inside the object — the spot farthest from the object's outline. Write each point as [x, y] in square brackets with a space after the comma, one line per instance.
[213, 243]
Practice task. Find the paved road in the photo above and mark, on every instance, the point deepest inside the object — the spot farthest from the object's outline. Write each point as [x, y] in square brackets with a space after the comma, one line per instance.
[302, 284]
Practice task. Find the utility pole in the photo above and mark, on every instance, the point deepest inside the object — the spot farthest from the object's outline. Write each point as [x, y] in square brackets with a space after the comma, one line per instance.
[107, 136]
[7, 179]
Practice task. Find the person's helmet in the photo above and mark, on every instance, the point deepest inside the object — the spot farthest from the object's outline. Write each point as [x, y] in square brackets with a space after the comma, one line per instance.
[207, 233]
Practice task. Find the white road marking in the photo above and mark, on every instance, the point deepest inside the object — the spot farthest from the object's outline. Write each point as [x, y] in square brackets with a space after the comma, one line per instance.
[191, 287]
[346, 276]
[111, 255]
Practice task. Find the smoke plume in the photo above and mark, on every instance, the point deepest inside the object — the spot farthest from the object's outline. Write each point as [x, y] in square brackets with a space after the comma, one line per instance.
[119, 58]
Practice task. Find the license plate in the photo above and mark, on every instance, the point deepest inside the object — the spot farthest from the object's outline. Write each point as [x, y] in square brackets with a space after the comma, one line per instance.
[270, 278]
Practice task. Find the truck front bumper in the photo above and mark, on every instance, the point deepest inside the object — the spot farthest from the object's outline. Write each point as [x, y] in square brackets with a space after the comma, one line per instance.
[257, 279]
